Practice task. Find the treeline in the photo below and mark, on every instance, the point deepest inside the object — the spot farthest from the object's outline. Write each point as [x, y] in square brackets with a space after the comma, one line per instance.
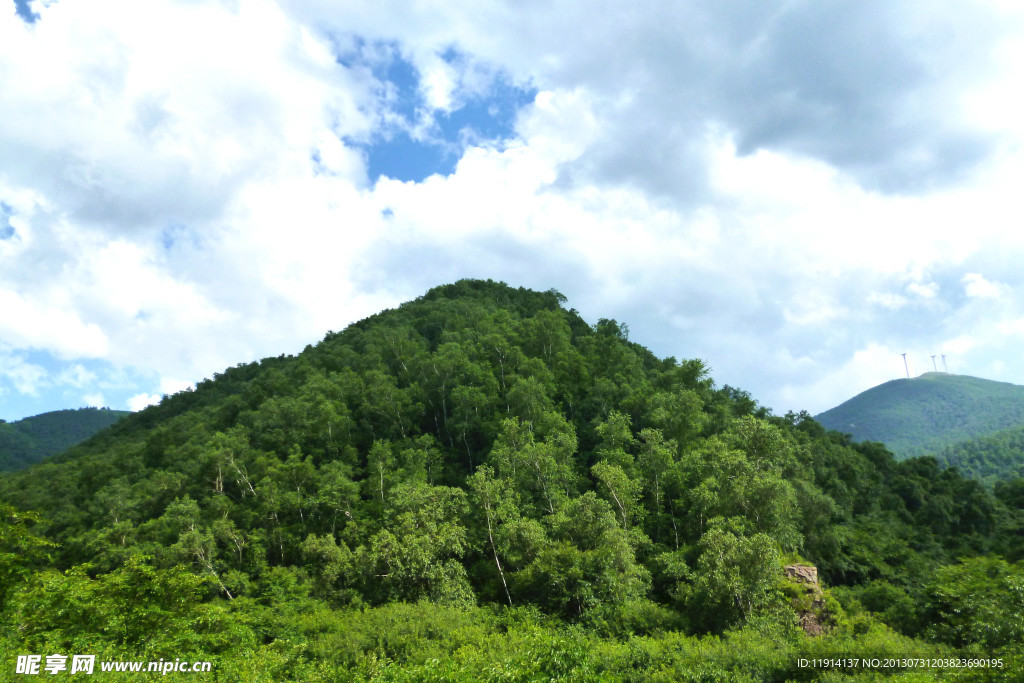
[480, 485]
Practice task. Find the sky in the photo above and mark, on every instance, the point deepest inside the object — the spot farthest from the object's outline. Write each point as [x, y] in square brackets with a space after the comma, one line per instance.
[795, 192]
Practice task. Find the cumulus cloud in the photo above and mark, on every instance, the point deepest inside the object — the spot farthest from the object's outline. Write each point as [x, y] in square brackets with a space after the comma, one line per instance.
[874, 89]
[28, 323]
[117, 124]
[94, 400]
[792, 191]
[25, 377]
[140, 401]
[76, 375]
[126, 159]
[977, 287]
[167, 386]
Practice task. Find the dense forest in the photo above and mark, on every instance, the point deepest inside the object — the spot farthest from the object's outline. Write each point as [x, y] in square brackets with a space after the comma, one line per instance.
[928, 413]
[991, 459]
[479, 485]
[25, 442]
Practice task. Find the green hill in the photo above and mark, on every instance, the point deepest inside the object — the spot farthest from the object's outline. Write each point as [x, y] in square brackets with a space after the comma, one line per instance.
[928, 413]
[28, 441]
[998, 456]
[479, 485]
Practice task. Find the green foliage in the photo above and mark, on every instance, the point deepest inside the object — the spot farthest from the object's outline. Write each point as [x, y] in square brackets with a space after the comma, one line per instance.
[480, 486]
[998, 456]
[417, 554]
[980, 601]
[20, 549]
[585, 562]
[137, 608]
[892, 604]
[734, 577]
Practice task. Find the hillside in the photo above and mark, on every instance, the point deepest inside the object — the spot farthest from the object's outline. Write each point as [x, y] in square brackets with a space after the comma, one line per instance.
[480, 485]
[28, 441]
[928, 413]
[996, 457]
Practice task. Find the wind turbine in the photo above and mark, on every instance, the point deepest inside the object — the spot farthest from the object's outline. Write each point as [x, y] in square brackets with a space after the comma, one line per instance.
[933, 363]
[944, 364]
[905, 366]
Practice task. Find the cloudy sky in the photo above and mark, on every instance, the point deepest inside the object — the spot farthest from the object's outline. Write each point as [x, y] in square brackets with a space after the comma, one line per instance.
[794, 191]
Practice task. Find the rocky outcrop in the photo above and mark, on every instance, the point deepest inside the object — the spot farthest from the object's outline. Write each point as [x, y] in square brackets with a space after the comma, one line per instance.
[803, 574]
[807, 598]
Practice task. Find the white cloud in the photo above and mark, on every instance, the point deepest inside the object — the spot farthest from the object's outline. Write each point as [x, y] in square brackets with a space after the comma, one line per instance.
[26, 377]
[28, 323]
[887, 300]
[168, 386]
[717, 178]
[140, 401]
[438, 81]
[171, 385]
[977, 287]
[866, 367]
[76, 375]
[94, 400]
[963, 344]
[131, 128]
[927, 290]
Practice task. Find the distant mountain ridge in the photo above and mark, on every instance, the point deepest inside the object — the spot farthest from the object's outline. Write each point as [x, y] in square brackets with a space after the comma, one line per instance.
[26, 442]
[928, 413]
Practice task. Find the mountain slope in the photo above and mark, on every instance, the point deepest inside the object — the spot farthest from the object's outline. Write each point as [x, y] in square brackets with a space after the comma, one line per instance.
[927, 413]
[997, 456]
[28, 441]
[479, 482]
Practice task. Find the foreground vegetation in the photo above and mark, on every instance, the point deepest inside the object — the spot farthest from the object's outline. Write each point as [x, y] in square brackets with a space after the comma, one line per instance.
[480, 486]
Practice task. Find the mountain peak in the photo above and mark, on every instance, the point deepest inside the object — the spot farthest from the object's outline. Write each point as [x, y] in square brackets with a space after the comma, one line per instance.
[928, 412]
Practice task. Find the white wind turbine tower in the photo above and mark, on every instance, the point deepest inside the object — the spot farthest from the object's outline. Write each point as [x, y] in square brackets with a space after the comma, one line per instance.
[905, 366]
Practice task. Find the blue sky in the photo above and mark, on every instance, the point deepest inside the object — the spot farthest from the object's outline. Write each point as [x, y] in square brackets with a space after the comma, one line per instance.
[24, 11]
[421, 141]
[794, 192]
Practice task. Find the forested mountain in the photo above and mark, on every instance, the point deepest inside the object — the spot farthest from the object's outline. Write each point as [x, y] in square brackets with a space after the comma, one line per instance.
[928, 413]
[28, 441]
[996, 457]
[479, 485]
